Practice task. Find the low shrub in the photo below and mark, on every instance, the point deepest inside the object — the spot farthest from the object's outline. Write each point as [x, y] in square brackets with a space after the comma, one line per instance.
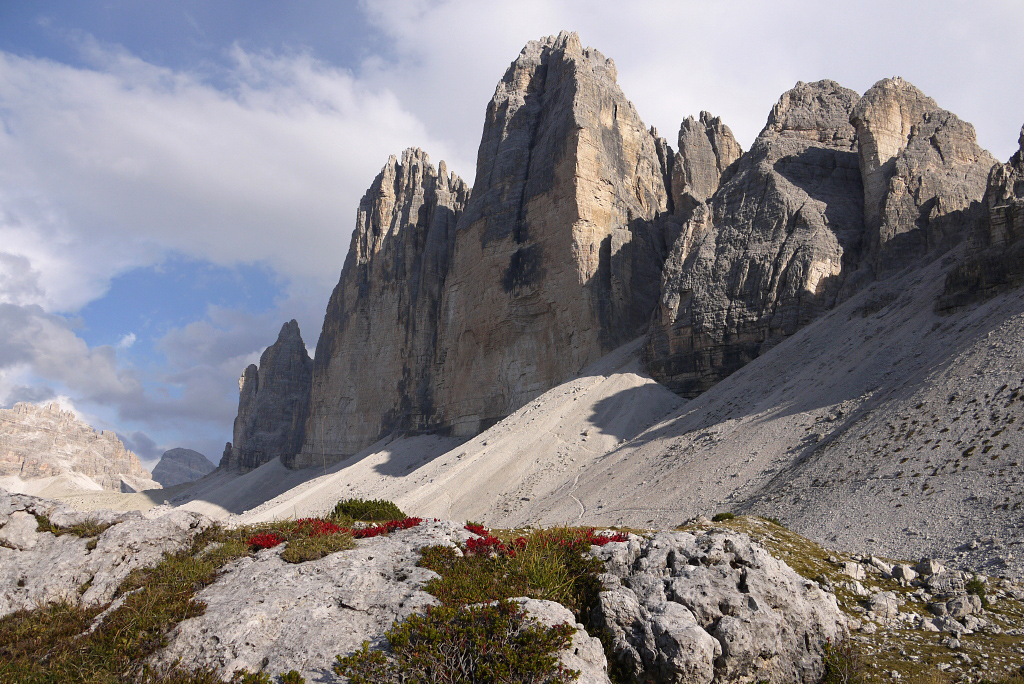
[719, 517]
[545, 564]
[264, 540]
[367, 511]
[977, 587]
[484, 644]
[843, 664]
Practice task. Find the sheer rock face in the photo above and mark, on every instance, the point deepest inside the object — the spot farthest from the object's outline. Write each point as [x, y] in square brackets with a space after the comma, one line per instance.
[770, 250]
[923, 172]
[706, 148]
[46, 441]
[995, 253]
[178, 466]
[374, 371]
[559, 253]
[273, 404]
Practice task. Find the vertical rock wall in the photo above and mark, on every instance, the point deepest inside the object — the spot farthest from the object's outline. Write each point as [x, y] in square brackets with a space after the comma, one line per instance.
[559, 254]
[374, 369]
[995, 254]
[769, 252]
[923, 171]
[273, 404]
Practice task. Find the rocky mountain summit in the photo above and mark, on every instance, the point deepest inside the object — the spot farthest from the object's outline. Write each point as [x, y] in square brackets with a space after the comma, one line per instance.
[47, 442]
[273, 403]
[585, 230]
[816, 298]
[178, 466]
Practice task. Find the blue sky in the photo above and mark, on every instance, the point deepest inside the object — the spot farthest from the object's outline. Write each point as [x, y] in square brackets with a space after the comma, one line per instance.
[179, 179]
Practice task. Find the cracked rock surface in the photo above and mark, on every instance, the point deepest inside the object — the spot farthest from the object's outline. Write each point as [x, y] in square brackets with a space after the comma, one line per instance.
[713, 607]
[38, 567]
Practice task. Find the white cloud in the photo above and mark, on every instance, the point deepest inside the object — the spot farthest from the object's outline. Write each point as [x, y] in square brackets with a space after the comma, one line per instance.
[105, 169]
[733, 58]
[126, 341]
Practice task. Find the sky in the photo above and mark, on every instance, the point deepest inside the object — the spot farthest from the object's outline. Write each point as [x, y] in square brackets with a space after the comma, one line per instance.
[177, 180]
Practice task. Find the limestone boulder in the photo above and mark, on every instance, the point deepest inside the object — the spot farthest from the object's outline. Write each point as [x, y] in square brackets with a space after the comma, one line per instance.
[713, 607]
[37, 568]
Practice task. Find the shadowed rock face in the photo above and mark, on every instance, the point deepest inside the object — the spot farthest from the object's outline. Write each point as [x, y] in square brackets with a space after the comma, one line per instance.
[273, 403]
[924, 175]
[559, 253]
[374, 370]
[769, 251]
[995, 253]
[178, 466]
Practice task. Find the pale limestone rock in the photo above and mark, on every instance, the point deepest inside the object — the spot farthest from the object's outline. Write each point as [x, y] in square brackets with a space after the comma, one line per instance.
[42, 568]
[44, 441]
[178, 466]
[924, 175]
[714, 607]
[772, 249]
[273, 404]
[585, 654]
[374, 372]
[558, 255]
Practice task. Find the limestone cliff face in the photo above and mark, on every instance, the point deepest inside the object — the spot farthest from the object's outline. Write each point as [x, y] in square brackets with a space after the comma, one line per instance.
[374, 370]
[559, 253]
[46, 441]
[273, 404]
[769, 251]
[924, 175]
[178, 466]
[995, 254]
[707, 148]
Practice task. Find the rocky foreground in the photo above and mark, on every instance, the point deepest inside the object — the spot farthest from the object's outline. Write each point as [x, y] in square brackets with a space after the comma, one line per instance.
[712, 602]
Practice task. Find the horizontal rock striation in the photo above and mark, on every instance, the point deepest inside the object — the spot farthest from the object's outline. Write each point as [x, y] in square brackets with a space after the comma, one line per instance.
[273, 404]
[995, 259]
[46, 441]
[178, 466]
[770, 251]
[374, 371]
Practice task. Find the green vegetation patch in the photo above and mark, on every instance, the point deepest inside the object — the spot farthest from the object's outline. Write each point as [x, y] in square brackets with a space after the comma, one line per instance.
[483, 644]
[544, 564]
[375, 510]
[87, 529]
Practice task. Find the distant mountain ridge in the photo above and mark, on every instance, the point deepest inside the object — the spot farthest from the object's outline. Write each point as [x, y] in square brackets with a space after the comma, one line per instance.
[47, 442]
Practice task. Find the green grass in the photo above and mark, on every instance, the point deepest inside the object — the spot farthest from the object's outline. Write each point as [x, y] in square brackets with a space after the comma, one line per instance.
[493, 643]
[305, 549]
[376, 510]
[551, 566]
[87, 529]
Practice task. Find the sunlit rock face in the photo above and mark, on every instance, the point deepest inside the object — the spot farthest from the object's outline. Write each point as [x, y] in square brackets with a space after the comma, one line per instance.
[558, 256]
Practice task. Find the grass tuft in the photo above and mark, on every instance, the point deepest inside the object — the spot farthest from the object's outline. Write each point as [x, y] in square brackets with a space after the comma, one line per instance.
[375, 510]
